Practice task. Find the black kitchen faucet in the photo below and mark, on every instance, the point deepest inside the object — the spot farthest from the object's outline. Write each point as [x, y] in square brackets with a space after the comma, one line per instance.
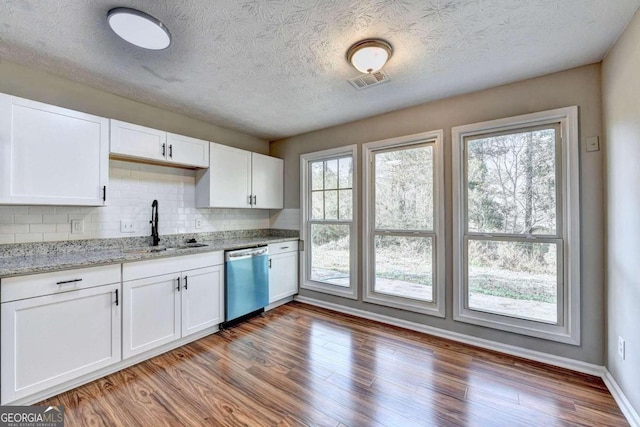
[154, 223]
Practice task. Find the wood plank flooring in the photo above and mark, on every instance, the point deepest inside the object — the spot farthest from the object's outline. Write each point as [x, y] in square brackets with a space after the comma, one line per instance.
[302, 365]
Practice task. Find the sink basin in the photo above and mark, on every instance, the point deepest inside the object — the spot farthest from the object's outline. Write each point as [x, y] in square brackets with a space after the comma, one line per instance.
[154, 249]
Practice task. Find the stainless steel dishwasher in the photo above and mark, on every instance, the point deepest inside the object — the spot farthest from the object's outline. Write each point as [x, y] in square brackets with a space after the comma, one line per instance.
[246, 283]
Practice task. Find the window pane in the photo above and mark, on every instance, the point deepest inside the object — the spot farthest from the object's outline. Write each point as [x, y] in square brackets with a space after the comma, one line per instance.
[345, 167]
[331, 175]
[511, 183]
[517, 279]
[404, 267]
[317, 175]
[345, 204]
[404, 189]
[330, 254]
[331, 204]
[317, 205]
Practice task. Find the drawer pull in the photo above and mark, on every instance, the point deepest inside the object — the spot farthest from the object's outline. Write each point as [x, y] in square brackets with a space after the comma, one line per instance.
[284, 247]
[117, 301]
[64, 282]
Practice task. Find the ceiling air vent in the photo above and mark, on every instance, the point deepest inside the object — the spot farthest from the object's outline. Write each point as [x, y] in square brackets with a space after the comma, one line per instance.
[368, 80]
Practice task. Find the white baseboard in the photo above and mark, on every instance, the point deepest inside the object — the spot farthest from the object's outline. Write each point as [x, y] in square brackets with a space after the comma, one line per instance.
[625, 406]
[563, 362]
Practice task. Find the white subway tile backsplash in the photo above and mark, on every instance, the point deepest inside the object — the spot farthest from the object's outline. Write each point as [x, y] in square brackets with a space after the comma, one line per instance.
[28, 237]
[40, 210]
[42, 228]
[28, 219]
[14, 228]
[54, 219]
[132, 188]
[7, 238]
[55, 237]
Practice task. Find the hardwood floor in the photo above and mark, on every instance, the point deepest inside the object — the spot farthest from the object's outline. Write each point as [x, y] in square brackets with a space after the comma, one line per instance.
[302, 365]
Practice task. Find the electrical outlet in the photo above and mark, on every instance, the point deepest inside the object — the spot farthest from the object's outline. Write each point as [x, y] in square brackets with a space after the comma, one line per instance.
[77, 226]
[621, 347]
[126, 226]
[198, 222]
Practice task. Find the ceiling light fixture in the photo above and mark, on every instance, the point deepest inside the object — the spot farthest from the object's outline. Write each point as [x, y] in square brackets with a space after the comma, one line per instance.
[369, 56]
[138, 28]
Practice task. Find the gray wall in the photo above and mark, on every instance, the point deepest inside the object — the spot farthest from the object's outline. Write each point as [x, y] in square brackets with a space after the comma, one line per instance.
[579, 86]
[621, 105]
[44, 87]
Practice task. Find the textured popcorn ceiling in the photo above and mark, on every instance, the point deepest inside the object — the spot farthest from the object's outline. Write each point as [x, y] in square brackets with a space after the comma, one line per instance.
[275, 68]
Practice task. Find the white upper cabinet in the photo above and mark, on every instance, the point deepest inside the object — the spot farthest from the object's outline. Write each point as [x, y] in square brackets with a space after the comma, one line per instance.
[227, 182]
[138, 142]
[267, 181]
[240, 179]
[129, 140]
[187, 151]
[51, 155]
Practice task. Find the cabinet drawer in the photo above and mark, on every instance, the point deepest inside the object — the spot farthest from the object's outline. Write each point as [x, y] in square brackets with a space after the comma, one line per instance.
[157, 267]
[282, 247]
[17, 288]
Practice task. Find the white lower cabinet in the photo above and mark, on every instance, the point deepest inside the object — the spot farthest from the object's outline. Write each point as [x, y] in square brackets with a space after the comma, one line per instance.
[151, 314]
[283, 270]
[172, 305]
[51, 339]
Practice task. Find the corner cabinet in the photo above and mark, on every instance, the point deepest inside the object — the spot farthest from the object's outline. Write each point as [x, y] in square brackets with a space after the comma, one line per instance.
[283, 270]
[130, 141]
[51, 155]
[57, 327]
[240, 179]
[169, 299]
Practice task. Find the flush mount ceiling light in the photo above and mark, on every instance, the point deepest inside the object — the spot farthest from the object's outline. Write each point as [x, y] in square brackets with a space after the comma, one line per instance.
[368, 56]
[138, 28]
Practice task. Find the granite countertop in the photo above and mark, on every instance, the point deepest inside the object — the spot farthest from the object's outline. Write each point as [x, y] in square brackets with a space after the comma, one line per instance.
[18, 260]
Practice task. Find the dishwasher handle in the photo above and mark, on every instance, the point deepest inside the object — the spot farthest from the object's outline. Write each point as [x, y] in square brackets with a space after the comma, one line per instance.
[246, 253]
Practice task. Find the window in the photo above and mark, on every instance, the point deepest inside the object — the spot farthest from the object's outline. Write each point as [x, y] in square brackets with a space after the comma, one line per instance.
[516, 225]
[328, 194]
[404, 224]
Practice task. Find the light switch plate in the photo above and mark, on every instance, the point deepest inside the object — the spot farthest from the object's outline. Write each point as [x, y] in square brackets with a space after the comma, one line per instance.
[593, 143]
[77, 226]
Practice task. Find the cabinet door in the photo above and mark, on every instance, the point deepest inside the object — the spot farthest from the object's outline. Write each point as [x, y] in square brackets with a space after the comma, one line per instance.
[202, 299]
[52, 339]
[267, 182]
[227, 182]
[150, 313]
[187, 151]
[138, 142]
[51, 155]
[283, 276]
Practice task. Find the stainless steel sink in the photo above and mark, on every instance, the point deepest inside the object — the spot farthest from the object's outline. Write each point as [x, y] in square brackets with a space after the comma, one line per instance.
[154, 249]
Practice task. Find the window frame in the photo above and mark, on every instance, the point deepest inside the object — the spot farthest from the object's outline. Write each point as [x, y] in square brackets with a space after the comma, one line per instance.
[436, 307]
[567, 330]
[351, 291]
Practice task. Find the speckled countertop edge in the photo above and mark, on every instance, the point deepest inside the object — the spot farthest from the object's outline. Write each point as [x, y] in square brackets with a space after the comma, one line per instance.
[96, 253]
